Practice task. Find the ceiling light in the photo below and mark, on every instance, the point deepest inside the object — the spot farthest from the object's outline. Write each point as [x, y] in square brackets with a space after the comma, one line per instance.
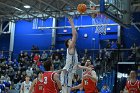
[27, 6]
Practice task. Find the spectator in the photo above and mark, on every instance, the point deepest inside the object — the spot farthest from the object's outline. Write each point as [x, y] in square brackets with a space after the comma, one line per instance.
[56, 63]
[118, 45]
[9, 62]
[7, 82]
[44, 56]
[7, 78]
[11, 72]
[18, 85]
[2, 78]
[57, 53]
[22, 62]
[29, 72]
[15, 65]
[20, 56]
[16, 78]
[113, 45]
[2, 87]
[105, 89]
[108, 44]
[36, 58]
[26, 56]
[32, 57]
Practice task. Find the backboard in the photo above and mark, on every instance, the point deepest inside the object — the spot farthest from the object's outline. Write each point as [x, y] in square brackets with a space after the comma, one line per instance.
[117, 10]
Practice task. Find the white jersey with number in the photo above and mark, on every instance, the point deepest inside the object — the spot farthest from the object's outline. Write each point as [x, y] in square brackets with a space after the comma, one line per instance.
[70, 66]
[26, 87]
[71, 61]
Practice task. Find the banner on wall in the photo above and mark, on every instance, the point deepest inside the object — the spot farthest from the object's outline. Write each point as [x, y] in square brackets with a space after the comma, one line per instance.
[35, 23]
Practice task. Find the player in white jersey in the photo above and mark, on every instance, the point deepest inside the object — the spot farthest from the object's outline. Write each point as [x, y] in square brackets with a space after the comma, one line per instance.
[26, 85]
[71, 61]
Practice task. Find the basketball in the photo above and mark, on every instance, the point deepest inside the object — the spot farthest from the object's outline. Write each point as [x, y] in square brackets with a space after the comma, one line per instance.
[81, 8]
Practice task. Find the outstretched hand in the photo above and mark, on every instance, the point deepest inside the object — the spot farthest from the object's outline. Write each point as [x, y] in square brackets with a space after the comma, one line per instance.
[59, 71]
[78, 67]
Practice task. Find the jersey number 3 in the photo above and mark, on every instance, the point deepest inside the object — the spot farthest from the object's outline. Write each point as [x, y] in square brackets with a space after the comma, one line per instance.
[86, 82]
[45, 80]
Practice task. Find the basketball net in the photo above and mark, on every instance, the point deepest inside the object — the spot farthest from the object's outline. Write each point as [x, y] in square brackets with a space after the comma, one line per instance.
[100, 22]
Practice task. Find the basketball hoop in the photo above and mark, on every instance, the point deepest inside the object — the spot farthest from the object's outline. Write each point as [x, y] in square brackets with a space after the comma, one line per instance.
[100, 22]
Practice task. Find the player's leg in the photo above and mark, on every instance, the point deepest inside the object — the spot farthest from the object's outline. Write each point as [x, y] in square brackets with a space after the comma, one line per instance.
[69, 85]
[64, 81]
[64, 89]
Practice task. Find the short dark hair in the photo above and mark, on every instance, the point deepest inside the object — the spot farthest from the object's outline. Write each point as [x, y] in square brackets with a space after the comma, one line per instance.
[39, 71]
[27, 76]
[66, 43]
[47, 65]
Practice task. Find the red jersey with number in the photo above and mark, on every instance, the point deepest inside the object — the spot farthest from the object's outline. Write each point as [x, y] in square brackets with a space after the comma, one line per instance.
[50, 85]
[133, 87]
[89, 85]
[38, 88]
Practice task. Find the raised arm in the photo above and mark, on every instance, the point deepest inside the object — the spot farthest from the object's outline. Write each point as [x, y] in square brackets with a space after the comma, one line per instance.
[84, 67]
[77, 87]
[74, 33]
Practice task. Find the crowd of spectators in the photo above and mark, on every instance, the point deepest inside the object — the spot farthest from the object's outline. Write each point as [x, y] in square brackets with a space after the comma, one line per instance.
[13, 71]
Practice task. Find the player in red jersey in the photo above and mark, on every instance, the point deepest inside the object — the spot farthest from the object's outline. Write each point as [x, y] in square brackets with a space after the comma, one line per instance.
[37, 85]
[132, 85]
[89, 80]
[51, 80]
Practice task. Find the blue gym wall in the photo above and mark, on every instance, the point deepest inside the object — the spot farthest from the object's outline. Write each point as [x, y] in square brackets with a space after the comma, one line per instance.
[4, 42]
[26, 36]
[131, 35]
[84, 43]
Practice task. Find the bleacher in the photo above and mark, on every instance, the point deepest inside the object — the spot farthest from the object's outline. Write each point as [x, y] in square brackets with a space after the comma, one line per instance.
[106, 75]
[108, 79]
